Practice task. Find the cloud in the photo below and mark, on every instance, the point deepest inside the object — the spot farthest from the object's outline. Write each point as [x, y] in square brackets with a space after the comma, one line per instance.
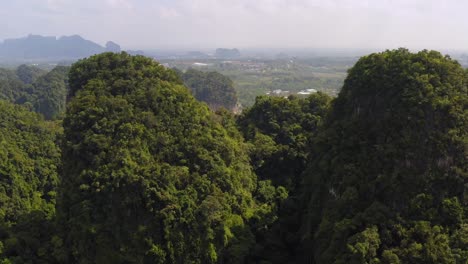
[167, 12]
[54, 5]
[119, 4]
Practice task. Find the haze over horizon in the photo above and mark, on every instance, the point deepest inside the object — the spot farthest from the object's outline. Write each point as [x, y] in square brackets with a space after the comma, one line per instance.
[201, 24]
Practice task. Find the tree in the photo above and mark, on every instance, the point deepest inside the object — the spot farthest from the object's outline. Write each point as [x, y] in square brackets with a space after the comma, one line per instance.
[280, 130]
[11, 87]
[149, 175]
[40, 91]
[392, 159]
[29, 74]
[50, 93]
[212, 88]
[29, 164]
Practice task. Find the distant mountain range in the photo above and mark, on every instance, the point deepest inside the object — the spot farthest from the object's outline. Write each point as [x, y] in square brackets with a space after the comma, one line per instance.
[36, 47]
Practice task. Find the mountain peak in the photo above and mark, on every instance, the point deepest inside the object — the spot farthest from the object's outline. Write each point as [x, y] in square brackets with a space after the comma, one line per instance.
[37, 47]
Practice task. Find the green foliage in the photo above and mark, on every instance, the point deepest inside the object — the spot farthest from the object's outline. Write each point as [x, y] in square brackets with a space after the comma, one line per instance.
[389, 169]
[11, 86]
[150, 175]
[280, 130]
[212, 88]
[42, 92]
[29, 74]
[362, 247]
[50, 93]
[29, 161]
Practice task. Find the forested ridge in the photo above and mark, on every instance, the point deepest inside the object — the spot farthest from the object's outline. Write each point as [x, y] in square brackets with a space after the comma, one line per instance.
[40, 91]
[46, 92]
[212, 88]
[388, 179]
[114, 160]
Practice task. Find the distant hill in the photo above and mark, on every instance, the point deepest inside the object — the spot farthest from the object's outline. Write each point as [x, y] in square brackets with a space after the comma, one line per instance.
[227, 53]
[196, 55]
[213, 88]
[36, 47]
[39, 90]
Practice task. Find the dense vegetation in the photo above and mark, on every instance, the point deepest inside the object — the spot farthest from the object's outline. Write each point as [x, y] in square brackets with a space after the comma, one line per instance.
[41, 91]
[50, 93]
[29, 162]
[144, 173]
[11, 86]
[387, 183]
[28, 74]
[280, 130]
[212, 88]
[45, 92]
[149, 175]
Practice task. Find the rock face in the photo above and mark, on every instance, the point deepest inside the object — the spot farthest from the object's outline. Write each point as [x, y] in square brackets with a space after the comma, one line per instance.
[36, 47]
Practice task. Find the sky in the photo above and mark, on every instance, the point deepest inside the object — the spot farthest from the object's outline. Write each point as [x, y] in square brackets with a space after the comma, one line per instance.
[200, 24]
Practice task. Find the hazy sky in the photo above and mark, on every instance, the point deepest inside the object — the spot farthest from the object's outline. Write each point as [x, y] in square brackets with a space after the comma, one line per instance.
[433, 24]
